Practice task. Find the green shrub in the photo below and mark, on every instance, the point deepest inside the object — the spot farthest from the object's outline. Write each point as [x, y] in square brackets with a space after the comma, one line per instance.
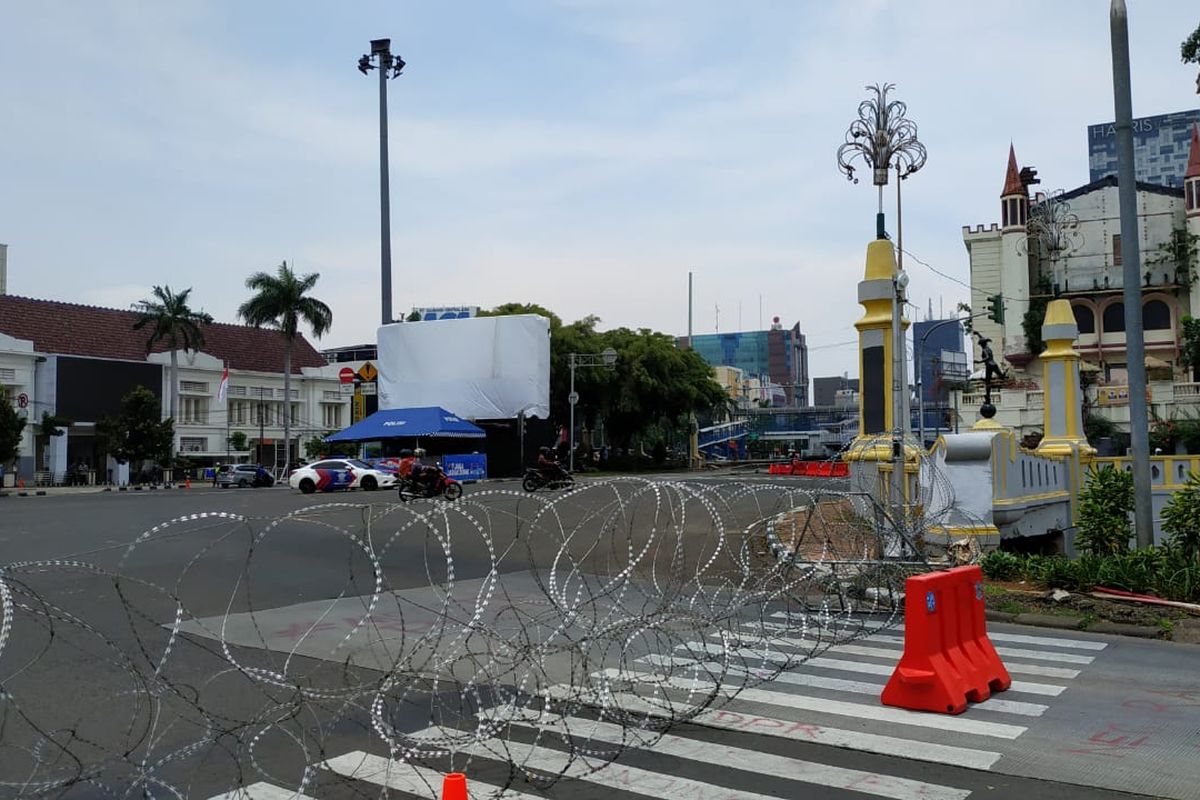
[1181, 518]
[1001, 566]
[1059, 573]
[1096, 427]
[1104, 507]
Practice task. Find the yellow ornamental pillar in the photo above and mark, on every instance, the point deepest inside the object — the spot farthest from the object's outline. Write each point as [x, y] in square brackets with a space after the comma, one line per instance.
[876, 409]
[1062, 396]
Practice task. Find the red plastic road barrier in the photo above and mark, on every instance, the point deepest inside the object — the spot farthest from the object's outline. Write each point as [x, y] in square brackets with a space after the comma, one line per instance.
[454, 786]
[948, 658]
[812, 469]
[973, 624]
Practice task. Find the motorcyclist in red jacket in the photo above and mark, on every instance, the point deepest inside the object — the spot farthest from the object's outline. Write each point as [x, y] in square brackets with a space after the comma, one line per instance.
[548, 467]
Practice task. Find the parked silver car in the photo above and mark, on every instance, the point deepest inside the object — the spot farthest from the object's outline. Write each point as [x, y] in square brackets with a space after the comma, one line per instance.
[243, 475]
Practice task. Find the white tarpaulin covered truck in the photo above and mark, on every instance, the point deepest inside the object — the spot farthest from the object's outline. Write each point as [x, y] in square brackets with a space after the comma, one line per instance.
[477, 368]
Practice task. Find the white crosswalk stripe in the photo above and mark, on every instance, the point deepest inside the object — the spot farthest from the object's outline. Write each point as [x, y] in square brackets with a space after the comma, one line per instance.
[1013, 652]
[870, 668]
[873, 712]
[776, 655]
[411, 778]
[728, 719]
[803, 638]
[898, 627]
[261, 791]
[712, 670]
[766, 763]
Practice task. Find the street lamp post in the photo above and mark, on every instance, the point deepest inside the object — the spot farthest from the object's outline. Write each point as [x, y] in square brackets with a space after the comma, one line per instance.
[605, 359]
[381, 58]
[884, 139]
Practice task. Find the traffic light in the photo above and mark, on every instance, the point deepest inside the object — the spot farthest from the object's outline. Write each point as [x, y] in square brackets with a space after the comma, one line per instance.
[995, 308]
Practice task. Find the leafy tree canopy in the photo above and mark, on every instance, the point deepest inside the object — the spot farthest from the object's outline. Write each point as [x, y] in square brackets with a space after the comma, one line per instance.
[1189, 51]
[653, 384]
[12, 425]
[138, 433]
[171, 320]
[282, 302]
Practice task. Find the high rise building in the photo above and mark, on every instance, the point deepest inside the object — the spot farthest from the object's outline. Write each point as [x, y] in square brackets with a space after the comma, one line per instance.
[776, 356]
[1160, 148]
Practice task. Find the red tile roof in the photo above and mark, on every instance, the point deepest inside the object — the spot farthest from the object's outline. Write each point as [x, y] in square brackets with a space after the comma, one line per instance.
[1193, 165]
[1012, 179]
[69, 329]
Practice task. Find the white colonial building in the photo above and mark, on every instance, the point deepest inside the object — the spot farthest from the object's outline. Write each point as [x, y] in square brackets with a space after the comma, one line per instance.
[77, 362]
[1068, 245]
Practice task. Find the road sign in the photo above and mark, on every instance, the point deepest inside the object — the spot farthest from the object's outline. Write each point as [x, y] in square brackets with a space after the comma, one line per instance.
[346, 375]
[573, 398]
[368, 372]
[366, 388]
[22, 400]
[347, 389]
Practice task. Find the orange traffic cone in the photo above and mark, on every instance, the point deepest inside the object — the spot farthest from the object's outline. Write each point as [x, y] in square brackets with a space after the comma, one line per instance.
[20, 483]
[187, 484]
[454, 786]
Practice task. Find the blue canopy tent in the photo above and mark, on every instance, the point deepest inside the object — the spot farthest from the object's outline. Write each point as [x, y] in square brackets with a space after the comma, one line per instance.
[398, 423]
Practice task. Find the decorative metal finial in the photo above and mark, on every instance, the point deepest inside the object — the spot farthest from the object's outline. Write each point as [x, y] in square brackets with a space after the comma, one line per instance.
[883, 138]
[1053, 229]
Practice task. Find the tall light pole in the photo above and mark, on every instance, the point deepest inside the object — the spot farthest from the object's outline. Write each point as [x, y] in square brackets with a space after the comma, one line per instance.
[381, 58]
[1135, 345]
[884, 139]
[604, 359]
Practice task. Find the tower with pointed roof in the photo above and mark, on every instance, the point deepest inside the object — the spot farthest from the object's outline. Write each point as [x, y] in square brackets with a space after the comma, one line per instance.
[1000, 266]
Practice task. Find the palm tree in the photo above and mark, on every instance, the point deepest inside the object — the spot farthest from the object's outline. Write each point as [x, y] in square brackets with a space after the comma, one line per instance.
[282, 302]
[171, 321]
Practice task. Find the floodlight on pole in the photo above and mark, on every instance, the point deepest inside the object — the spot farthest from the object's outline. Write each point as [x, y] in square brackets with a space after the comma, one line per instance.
[389, 66]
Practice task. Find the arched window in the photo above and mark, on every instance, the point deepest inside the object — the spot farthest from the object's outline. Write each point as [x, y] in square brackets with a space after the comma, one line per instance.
[1114, 318]
[1156, 316]
[1085, 318]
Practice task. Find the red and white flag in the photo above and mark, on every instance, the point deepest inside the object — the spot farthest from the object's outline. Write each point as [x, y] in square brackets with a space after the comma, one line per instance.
[224, 388]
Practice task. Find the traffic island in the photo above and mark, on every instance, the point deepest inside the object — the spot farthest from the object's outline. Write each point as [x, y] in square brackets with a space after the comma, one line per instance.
[1024, 605]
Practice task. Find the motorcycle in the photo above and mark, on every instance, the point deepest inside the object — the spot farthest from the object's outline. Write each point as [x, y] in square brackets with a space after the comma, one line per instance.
[441, 486]
[534, 480]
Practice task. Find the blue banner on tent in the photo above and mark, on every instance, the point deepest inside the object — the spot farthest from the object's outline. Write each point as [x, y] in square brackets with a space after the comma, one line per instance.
[465, 468]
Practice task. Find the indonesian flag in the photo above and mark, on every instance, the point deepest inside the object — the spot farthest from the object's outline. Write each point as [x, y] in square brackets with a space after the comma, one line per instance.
[224, 386]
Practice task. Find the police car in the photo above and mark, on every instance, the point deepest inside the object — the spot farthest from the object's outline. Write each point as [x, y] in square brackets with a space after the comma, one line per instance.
[340, 473]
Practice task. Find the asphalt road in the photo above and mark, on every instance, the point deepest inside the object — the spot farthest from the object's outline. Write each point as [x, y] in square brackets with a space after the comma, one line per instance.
[271, 581]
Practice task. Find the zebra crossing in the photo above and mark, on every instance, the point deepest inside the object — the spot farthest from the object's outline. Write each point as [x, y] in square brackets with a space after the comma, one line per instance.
[831, 700]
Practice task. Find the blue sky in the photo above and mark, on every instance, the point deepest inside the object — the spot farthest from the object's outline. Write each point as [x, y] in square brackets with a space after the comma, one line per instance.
[582, 154]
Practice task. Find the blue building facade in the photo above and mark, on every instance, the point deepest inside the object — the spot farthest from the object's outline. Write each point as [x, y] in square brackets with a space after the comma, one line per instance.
[1160, 148]
[932, 341]
[778, 355]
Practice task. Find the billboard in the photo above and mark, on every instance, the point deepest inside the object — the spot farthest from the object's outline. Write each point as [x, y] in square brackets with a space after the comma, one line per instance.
[446, 312]
[477, 367]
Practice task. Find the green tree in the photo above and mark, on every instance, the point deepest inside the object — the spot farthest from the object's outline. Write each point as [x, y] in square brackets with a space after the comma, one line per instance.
[12, 425]
[1031, 323]
[652, 383]
[415, 316]
[1179, 252]
[1181, 518]
[282, 301]
[52, 424]
[173, 322]
[1189, 51]
[1189, 344]
[138, 433]
[1104, 507]
[315, 446]
[237, 440]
